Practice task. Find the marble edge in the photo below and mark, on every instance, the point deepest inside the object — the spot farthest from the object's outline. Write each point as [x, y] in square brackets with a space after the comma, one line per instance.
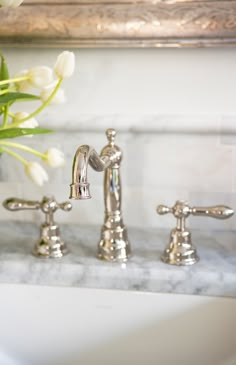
[164, 123]
[146, 274]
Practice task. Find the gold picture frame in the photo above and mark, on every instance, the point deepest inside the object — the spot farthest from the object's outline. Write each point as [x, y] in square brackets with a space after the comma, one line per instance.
[119, 23]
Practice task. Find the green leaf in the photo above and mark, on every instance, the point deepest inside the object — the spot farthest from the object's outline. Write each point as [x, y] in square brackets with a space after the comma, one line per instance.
[4, 74]
[18, 132]
[12, 97]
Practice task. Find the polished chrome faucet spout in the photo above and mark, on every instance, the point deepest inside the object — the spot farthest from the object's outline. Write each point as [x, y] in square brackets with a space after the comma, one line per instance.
[84, 156]
[114, 244]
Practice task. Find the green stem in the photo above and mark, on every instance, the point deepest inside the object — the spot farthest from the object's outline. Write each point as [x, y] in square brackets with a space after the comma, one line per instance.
[41, 108]
[16, 79]
[11, 114]
[6, 91]
[24, 148]
[5, 119]
[14, 154]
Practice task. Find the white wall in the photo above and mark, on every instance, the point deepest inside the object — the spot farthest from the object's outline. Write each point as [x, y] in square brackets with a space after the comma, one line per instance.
[146, 81]
[175, 111]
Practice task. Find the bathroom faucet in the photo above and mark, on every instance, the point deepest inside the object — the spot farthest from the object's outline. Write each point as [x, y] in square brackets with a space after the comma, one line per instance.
[50, 243]
[180, 250]
[114, 244]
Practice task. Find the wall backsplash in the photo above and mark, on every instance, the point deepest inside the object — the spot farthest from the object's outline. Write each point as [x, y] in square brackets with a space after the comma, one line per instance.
[176, 125]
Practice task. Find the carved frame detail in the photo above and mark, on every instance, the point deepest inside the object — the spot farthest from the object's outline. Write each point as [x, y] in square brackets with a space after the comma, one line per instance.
[119, 23]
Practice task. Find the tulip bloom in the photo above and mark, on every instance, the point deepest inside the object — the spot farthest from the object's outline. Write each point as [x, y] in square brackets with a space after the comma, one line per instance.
[40, 76]
[54, 157]
[65, 65]
[36, 173]
[59, 97]
[23, 86]
[30, 123]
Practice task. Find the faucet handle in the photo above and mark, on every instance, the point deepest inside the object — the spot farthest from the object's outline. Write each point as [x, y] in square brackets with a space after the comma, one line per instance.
[217, 211]
[181, 209]
[15, 204]
[50, 243]
[48, 205]
[180, 250]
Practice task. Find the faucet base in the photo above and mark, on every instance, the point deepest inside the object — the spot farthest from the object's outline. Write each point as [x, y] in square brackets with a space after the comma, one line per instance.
[180, 250]
[114, 245]
[45, 249]
[50, 245]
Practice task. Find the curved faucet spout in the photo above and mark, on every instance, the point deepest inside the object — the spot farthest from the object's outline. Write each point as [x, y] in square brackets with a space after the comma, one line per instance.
[114, 244]
[84, 156]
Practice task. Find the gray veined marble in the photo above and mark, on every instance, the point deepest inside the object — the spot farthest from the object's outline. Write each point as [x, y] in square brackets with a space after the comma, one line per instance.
[214, 275]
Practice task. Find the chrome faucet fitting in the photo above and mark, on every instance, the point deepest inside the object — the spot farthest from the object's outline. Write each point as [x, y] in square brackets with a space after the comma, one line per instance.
[114, 244]
[180, 250]
[50, 244]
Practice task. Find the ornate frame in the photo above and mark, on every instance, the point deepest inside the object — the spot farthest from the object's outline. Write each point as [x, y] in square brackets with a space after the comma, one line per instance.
[119, 23]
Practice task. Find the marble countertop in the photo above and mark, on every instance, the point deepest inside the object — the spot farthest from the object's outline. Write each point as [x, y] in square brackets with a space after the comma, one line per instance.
[214, 274]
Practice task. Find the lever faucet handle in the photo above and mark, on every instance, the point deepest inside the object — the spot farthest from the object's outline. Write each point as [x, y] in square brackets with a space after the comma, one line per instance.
[180, 250]
[15, 204]
[163, 209]
[217, 211]
[181, 209]
[48, 205]
[50, 243]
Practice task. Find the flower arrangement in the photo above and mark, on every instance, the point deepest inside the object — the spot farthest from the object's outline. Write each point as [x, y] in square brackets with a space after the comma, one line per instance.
[42, 84]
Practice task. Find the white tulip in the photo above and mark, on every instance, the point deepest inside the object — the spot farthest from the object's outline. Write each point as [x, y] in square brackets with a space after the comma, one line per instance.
[40, 76]
[59, 97]
[10, 3]
[23, 86]
[55, 157]
[30, 123]
[36, 173]
[65, 65]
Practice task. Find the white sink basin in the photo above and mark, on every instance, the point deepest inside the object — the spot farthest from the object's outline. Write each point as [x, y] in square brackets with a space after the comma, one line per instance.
[71, 326]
